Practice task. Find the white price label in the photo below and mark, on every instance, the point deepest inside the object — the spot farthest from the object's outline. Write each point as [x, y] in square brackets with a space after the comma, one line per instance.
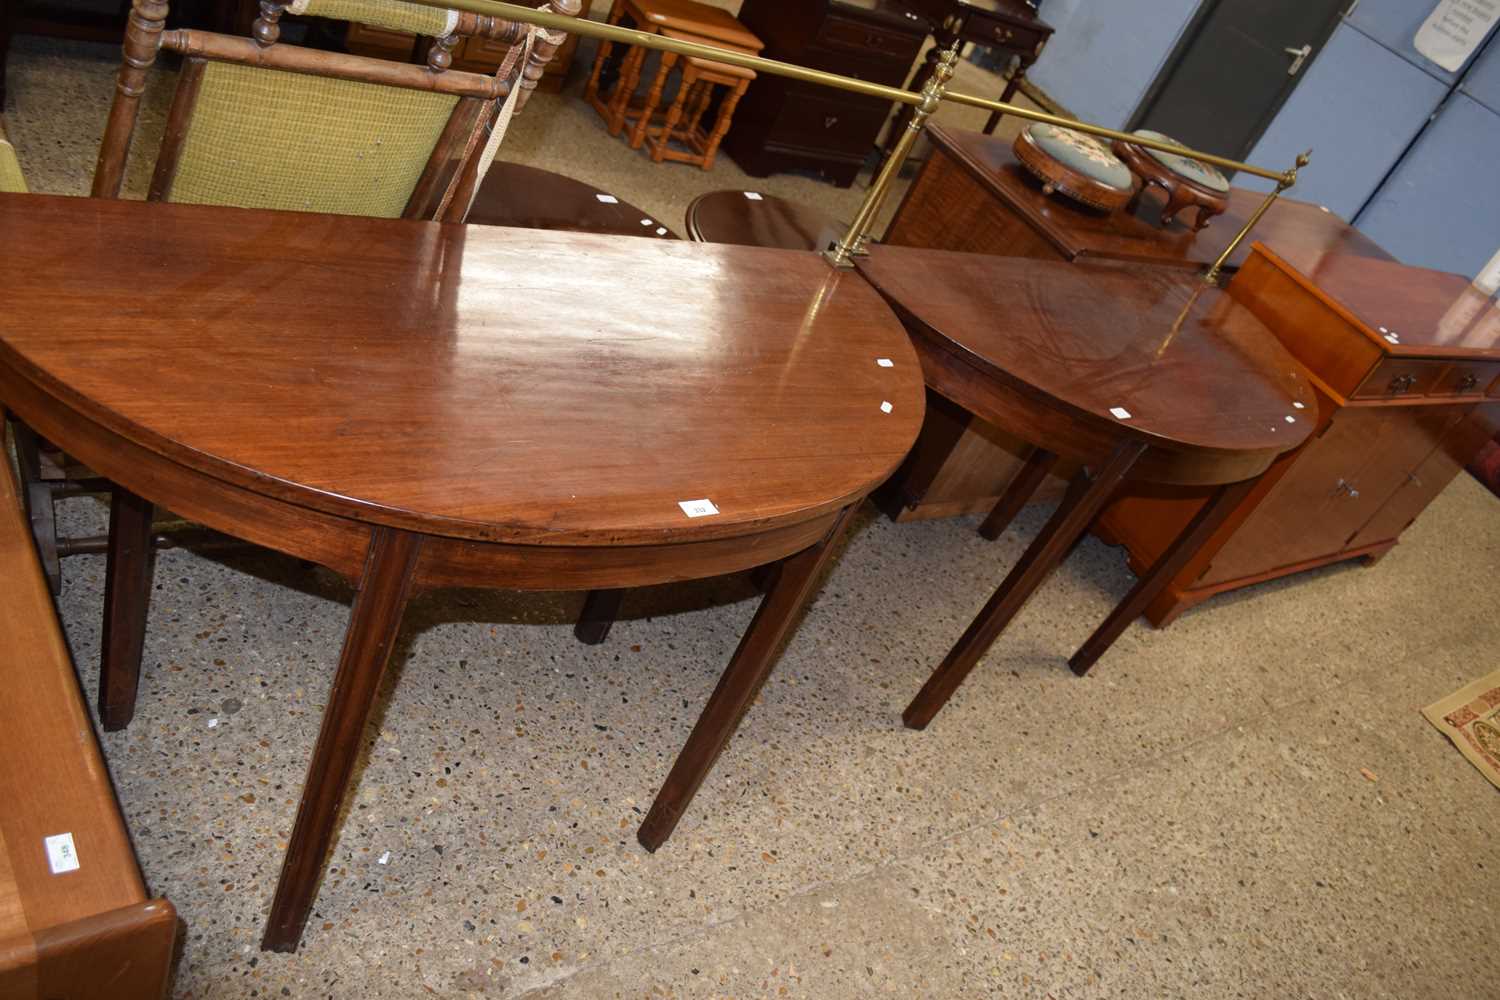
[608, 199]
[1119, 412]
[885, 362]
[886, 407]
[753, 196]
[62, 855]
[697, 508]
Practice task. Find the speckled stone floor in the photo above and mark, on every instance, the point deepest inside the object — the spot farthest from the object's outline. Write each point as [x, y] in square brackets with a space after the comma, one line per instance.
[1192, 820]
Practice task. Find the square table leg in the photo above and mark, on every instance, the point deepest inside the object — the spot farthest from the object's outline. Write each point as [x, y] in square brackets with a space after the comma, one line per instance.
[373, 625]
[1086, 496]
[600, 609]
[127, 595]
[1021, 488]
[1213, 514]
[739, 684]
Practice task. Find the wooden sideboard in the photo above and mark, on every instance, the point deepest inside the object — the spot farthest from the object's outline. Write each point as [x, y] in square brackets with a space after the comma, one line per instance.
[783, 124]
[1403, 359]
[973, 196]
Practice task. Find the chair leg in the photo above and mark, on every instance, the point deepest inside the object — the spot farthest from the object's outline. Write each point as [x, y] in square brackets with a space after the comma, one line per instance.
[600, 609]
[1085, 498]
[721, 127]
[738, 686]
[653, 98]
[36, 497]
[1225, 501]
[659, 143]
[127, 595]
[1018, 492]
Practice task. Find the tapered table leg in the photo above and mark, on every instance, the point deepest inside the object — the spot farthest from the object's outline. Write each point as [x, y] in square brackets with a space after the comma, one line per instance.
[1085, 497]
[1018, 492]
[940, 435]
[127, 594]
[1168, 564]
[600, 609]
[738, 686]
[373, 625]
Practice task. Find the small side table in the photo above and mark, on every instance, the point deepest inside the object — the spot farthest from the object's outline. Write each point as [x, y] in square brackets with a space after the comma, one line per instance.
[1008, 25]
[749, 218]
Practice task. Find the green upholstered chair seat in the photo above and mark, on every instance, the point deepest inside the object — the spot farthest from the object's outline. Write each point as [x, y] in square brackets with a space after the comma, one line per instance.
[1082, 154]
[391, 14]
[1202, 174]
[11, 181]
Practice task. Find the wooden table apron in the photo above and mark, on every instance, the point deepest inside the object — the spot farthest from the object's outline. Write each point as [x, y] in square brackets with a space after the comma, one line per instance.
[390, 554]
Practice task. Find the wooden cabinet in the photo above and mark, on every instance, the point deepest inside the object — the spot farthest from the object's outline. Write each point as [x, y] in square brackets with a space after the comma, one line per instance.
[1403, 407]
[783, 124]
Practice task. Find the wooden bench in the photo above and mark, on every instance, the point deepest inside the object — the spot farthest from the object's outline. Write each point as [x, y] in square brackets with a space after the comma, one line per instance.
[75, 920]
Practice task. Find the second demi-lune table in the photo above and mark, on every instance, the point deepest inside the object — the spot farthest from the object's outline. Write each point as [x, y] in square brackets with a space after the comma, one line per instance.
[416, 405]
[1133, 373]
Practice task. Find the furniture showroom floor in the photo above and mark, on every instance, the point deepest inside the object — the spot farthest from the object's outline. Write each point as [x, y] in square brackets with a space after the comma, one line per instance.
[1247, 804]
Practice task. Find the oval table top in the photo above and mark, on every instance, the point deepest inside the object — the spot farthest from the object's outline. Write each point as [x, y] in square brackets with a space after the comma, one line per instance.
[1150, 352]
[475, 382]
[514, 194]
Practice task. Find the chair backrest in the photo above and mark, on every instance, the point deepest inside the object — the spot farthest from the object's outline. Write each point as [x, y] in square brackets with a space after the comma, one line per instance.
[11, 180]
[259, 123]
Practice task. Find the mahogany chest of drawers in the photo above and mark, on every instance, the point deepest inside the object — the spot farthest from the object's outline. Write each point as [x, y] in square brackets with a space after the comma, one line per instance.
[783, 124]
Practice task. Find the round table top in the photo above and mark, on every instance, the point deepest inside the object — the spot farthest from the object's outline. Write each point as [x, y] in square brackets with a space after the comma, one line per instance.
[523, 197]
[749, 218]
[1151, 353]
[476, 382]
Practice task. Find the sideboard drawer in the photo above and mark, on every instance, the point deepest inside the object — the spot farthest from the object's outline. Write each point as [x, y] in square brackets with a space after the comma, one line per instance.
[849, 35]
[815, 118]
[1006, 35]
[1396, 377]
[1467, 378]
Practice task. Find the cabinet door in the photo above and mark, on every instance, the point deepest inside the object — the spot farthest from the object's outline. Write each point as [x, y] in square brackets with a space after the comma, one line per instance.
[1462, 440]
[1337, 485]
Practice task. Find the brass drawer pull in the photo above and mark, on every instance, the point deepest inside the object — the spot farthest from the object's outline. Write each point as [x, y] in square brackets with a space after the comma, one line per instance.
[1468, 382]
[1402, 383]
[1346, 489]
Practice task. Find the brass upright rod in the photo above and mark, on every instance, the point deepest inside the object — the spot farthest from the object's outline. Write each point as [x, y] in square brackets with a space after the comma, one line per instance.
[1212, 276]
[843, 252]
[629, 36]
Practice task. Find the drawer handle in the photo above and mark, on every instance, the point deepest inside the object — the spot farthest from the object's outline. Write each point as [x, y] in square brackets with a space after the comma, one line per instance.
[1402, 383]
[1468, 382]
[829, 121]
[1345, 489]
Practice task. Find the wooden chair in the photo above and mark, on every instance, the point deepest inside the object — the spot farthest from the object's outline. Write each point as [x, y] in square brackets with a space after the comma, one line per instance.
[258, 123]
[75, 916]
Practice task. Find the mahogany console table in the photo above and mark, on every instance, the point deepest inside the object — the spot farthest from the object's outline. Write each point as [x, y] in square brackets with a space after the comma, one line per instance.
[1135, 373]
[971, 195]
[418, 405]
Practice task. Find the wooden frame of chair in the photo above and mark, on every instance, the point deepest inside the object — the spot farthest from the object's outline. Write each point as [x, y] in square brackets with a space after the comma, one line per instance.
[479, 95]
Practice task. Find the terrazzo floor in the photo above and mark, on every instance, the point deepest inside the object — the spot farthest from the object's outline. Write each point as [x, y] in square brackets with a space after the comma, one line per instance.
[1247, 804]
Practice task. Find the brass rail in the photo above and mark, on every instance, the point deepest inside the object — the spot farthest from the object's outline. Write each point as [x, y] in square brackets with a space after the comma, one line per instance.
[853, 243]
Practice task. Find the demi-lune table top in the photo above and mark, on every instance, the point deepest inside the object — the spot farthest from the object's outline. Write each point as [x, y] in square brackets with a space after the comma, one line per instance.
[1151, 352]
[475, 382]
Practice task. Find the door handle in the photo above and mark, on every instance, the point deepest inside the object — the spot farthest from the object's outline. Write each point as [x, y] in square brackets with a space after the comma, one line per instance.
[1300, 57]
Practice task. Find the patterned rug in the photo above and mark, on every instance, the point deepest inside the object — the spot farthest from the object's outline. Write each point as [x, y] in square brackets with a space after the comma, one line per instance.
[1470, 717]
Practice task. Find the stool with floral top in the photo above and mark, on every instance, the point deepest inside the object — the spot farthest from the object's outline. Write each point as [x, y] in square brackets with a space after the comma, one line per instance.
[1187, 183]
[1075, 164]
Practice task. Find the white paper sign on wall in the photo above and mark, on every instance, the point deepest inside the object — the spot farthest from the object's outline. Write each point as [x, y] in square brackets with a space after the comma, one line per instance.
[1454, 30]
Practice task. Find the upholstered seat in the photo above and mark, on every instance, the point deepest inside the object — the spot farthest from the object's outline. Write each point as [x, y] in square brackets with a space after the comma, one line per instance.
[1082, 154]
[1200, 173]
